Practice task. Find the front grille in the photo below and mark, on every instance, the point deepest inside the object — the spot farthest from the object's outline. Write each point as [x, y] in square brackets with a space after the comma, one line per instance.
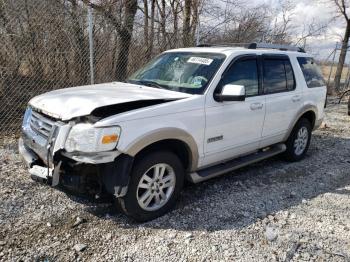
[41, 124]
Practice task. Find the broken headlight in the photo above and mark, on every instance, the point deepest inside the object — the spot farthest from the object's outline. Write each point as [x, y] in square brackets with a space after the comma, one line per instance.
[26, 118]
[88, 139]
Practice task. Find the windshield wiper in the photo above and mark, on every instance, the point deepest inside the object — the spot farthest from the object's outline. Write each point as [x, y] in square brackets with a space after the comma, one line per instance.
[147, 83]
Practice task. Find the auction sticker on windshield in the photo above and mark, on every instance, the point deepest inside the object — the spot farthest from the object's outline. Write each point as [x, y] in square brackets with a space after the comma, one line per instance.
[200, 60]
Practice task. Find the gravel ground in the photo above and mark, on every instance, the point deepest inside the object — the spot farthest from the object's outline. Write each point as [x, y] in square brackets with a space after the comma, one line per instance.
[270, 211]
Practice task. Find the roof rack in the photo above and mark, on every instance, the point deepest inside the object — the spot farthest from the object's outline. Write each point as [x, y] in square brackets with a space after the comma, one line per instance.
[245, 45]
[276, 46]
[257, 46]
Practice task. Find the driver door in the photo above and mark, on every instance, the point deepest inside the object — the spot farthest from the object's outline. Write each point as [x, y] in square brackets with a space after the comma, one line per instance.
[234, 128]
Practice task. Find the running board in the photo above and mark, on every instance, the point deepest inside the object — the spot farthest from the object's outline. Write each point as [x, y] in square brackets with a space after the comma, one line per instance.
[236, 163]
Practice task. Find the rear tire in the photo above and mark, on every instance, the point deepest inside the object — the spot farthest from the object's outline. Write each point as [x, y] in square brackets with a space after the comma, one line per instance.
[155, 184]
[299, 141]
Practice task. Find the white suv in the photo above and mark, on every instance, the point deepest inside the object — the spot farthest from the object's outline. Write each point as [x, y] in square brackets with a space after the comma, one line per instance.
[192, 113]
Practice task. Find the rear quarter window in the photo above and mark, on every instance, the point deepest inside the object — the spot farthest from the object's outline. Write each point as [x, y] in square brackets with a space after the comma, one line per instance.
[311, 72]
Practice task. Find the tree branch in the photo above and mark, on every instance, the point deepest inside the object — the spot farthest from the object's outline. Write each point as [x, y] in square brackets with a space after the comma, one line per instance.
[108, 14]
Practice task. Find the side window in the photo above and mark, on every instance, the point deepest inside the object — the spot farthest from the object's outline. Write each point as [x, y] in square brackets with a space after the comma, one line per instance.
[278, 76]
[311, 71]
[244, 72]
[289, 75]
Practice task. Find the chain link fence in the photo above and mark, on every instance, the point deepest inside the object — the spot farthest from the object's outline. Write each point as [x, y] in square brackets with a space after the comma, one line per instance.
[45, 46]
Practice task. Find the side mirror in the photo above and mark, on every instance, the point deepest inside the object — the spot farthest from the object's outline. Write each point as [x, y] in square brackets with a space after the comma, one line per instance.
[231, 93]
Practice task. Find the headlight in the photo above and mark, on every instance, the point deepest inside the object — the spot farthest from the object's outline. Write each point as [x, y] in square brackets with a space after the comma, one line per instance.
[86, 138]
[26, 117]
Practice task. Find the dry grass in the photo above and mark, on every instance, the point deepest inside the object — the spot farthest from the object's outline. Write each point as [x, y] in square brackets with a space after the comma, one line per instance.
[326, 69]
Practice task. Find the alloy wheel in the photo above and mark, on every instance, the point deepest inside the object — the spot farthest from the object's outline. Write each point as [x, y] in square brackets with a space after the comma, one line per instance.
[300, 143]
[155, 187]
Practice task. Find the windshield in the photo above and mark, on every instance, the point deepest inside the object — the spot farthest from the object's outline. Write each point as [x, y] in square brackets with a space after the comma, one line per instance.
[181, 71]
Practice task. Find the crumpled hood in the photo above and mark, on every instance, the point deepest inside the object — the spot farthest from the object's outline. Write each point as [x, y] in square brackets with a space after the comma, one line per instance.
[68, 103]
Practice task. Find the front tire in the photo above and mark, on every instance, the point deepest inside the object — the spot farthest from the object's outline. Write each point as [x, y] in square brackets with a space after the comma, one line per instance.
[155, 184]
[299, 141]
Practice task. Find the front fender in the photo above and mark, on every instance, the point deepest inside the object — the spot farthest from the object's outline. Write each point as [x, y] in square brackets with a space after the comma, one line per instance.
[165, 133]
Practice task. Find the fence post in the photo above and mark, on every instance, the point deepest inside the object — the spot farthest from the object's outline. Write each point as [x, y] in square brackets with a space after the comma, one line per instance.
[198, 33]
[91, 45]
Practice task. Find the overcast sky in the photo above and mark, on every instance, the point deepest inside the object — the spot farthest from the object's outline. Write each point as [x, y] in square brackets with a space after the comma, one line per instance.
[305, 12]
[318, 10]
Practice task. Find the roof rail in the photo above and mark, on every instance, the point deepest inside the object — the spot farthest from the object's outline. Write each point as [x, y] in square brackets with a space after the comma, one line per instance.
[257, 46]
[276, 46]
[245, 45]
[204, 45]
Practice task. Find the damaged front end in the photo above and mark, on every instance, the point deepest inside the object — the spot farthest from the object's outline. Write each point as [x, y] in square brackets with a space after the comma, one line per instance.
[48, 147]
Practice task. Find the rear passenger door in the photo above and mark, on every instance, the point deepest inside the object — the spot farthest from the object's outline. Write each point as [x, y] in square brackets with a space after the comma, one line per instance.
[283, 97]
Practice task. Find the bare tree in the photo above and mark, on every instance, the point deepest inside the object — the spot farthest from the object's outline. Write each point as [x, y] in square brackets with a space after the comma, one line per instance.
[123, 22]
[190, 21]
[280, 19]
[186, 29]
[80, 40]
[45, 44]
[149, 12]
[343, 9]
[162, 12]
[175, 10]
[309, 30]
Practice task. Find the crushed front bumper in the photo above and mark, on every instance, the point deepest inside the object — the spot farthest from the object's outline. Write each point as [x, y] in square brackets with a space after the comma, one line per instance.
[37, 169]
[42, 148]
[27, 154]
[110, 170]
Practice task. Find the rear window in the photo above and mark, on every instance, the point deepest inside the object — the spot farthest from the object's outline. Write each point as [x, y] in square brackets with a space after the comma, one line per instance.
[311, 71]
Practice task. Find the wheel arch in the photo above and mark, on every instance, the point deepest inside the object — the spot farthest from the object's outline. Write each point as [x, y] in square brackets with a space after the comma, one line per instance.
[309, 115]
[309, 112]
[174, 139]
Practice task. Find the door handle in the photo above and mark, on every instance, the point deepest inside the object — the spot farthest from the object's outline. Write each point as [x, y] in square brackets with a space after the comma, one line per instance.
[256, 106]
[296, 98]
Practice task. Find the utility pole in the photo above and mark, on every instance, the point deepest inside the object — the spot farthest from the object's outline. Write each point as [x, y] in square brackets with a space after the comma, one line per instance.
[330, 72]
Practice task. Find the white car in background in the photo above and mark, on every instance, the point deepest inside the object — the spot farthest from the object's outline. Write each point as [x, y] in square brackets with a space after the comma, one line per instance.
[192, 113]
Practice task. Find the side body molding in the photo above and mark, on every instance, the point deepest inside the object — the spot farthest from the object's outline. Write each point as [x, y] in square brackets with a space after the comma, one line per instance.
[160, 134]
[303, 110]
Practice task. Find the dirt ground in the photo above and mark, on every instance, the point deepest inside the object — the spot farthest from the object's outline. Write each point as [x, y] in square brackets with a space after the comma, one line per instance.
[270, 211]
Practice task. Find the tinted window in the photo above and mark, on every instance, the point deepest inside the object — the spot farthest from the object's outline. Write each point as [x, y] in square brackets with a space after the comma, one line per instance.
[278, 76]
[274, 76]
[311, 71]
[289, 75]
[244, 72]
